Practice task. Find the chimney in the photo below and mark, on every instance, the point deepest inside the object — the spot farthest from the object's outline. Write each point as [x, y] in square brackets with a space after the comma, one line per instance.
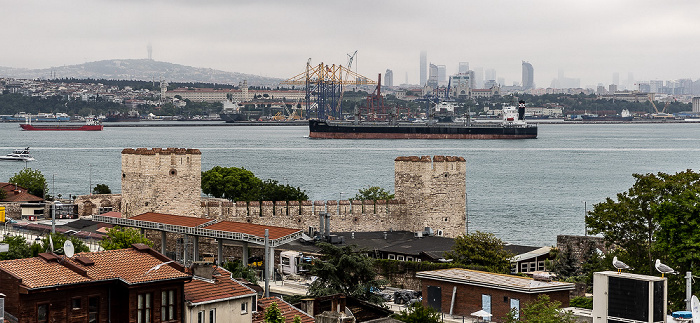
[321, 216]
[203, 269]
[328, 225]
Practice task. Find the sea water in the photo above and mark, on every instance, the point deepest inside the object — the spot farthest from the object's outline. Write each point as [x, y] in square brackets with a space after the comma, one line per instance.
[524, 191]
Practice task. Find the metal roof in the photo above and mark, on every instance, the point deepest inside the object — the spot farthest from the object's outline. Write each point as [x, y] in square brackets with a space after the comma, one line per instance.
[493, 280]
[210, 228]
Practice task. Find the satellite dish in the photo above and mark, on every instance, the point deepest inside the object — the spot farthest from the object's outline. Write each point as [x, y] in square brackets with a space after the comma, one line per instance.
[68, 249]
[695, 309]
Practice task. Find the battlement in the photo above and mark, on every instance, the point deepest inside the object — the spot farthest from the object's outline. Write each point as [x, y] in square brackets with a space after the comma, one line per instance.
[161, 151]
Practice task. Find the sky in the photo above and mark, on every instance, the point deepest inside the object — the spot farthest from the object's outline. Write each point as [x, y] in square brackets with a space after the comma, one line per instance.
[589, 40]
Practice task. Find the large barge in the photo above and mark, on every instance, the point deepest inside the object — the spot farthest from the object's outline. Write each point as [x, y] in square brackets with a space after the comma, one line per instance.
[512, 126]
[91, 125]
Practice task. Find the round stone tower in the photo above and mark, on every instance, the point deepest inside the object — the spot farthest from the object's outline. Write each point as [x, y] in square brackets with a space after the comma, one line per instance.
[162, 180]
[434, 191]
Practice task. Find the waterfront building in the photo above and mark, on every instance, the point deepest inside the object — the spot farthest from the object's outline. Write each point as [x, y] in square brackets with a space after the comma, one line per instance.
[389, 78]
[696, 104]
[423, 67]
[461, 85]
[528, 76]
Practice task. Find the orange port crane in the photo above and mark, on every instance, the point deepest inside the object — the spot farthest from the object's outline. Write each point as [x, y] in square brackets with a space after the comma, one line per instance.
[324, 85]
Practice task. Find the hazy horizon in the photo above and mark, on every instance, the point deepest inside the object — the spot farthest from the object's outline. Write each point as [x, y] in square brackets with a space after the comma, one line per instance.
[587, 40]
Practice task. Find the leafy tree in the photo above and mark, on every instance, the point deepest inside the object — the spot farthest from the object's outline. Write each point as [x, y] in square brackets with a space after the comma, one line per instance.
[541, 311]
[58, 239]
[345, 270]
[32, 180]
[18, 248]
[3, 194]
[633, 221]
[373, 193]
[273, 191]
[122, 238]
[297, 319]
[101, 189]
[239, 271]
[239, 184]
[417, 313]
[481, 250]
[582, 302]
[273, 314]
[565, 264]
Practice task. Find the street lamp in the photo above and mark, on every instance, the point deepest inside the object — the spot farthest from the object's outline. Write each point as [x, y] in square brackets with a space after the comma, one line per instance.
[53, 215]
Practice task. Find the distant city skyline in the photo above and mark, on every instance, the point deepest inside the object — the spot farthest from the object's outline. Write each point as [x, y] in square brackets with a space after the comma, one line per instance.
[589, 40]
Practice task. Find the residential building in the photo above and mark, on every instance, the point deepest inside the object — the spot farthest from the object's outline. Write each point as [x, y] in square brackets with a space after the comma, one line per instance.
[528, 76]
[19, 203]
[136, 284]
[389, 78]
[214, 296]
[287, 310]
[461, 292]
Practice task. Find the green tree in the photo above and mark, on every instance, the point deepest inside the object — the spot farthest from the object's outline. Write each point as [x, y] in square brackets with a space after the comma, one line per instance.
[297, 319]
[233, 183]
[58, 240]
[481, 250]
[632, 222]
[32, 180]
[18, 248]
[373, 193]
[273, 191]
[273, 314]
[122, 238]
[101, 189]
[239, 271]
[3, 194]
[565, 264]
[541, 311]
[345, 270]
[417, 313]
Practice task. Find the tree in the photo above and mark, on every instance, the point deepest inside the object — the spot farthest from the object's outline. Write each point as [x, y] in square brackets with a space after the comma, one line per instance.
[632, 222]
[101, 189]
[481, 250]
[18, 248]
[273, 314]
[239, 271]
[3, 194]
[32, 180]
[541, 311]
[122, 238]
[565, 264]
[239, 184]
[273, 191]
[58, 240]
[417, 313]
[373, 193]
[345, 270]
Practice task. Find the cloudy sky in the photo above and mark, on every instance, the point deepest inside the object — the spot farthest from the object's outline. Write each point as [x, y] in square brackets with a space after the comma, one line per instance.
[589, 39]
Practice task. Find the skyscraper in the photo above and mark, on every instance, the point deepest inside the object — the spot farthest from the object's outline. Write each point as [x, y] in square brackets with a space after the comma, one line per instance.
[423, 67]
[432, 76]
[389, 78]
[442, 75]
[463, 67]
[528, 76]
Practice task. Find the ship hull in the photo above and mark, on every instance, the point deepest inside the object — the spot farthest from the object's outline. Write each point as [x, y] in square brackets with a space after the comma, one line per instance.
[30, 127]
[324, 130]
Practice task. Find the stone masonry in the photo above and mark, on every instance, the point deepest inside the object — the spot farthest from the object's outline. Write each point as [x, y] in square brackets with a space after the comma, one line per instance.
[161, 180]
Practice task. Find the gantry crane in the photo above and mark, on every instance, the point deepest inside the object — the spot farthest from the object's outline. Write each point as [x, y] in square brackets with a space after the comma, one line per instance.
[324, 85]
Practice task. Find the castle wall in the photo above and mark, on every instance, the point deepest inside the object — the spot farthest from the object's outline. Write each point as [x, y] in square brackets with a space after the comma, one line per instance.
[91, 204]
[161, 180]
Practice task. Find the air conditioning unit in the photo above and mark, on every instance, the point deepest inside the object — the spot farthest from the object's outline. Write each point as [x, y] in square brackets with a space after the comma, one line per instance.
[438, 233]
[628, 298]
[418, 234]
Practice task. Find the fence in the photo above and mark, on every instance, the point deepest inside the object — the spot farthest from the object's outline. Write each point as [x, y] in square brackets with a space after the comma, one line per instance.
[33, 236]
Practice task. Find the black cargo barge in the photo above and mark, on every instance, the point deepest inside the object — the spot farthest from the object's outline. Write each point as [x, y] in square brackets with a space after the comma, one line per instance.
[349, 130]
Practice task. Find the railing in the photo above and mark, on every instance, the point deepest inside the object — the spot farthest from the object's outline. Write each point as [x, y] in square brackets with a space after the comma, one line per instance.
[32, 236]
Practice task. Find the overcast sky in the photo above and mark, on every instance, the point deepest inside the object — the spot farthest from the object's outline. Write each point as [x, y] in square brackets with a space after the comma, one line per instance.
[589, 39]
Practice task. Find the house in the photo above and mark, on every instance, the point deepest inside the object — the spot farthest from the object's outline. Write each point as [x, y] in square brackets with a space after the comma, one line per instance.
[20, 204]
[529, 259]
[287, 310]
[458, 291]
[214, 296]
[136, 284]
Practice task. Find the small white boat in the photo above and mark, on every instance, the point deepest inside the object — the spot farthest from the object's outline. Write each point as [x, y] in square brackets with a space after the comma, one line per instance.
[19, 155]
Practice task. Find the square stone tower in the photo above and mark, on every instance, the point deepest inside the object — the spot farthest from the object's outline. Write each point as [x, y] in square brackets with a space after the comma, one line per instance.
[161, 180]
[435, 192]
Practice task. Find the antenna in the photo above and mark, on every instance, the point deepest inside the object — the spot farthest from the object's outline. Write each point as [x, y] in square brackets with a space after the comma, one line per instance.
[68, 249]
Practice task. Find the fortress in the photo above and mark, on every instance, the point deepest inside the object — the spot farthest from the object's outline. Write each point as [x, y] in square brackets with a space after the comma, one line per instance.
[429, 192]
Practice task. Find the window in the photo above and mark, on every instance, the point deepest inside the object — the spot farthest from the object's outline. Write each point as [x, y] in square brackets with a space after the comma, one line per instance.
[392, 257]
[167, 305]
[533, 266]
[144, 308]
[409, 258]
[515, 304]
[42, 313]
[93, 309]
[76, 303]
[212, 315]
[285, 261]
[201, 317]
[540, 265]
[244, 307]
[400, 257]
[523, 267]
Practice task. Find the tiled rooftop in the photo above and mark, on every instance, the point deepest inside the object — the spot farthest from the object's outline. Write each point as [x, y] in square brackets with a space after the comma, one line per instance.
[185, 221]
[132, 266]
[287, 310]
[492, 280]
[252, 229]
[220, 288]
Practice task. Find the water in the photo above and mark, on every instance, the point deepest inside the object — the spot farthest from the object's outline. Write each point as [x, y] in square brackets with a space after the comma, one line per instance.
[524, 191]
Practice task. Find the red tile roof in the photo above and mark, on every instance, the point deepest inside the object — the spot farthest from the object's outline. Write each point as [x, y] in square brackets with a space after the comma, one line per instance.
[112, 214]
[185, 221]
[221, 287]
[288, 311]
[252, 229]
[130, 266]
[18, 194]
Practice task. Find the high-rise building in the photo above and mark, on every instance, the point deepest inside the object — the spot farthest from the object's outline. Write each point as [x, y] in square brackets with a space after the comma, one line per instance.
[463, 68]
[442, 75]
[528, 76]
[616, 78]
[432, 76]
[490, 74]
[423, 67]
[389, 78]
[478, 78]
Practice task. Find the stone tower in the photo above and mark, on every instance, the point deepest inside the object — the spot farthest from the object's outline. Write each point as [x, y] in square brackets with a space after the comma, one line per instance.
[161, 180]
[434, 191]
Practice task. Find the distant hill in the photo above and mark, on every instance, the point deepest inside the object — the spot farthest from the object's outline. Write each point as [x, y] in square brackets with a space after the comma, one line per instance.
[138, 69]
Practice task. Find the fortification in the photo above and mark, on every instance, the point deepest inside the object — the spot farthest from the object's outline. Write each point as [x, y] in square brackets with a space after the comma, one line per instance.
[161, 180]
[434, 191]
